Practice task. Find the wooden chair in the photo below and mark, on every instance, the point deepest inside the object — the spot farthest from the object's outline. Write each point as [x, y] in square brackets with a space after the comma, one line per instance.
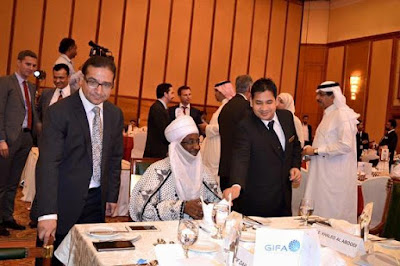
[378, 229]
[12, 253]
[138, 167]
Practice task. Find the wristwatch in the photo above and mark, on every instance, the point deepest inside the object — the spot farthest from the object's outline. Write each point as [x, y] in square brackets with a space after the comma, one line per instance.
[316, 151]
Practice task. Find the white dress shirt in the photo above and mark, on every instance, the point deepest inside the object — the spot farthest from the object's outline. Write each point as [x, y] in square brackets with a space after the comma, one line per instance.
[278, 130]
[20, 81]
[179, 110]
[66, 91]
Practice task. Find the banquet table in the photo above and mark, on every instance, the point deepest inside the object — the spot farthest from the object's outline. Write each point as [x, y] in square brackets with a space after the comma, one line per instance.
[29, 189]
[77, 247]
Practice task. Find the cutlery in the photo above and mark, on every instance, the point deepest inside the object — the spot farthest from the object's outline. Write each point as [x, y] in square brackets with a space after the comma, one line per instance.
[250, 219]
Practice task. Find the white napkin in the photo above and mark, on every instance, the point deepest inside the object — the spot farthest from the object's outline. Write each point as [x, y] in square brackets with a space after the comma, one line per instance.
[329, 257]
[345, 226]
[168, 254]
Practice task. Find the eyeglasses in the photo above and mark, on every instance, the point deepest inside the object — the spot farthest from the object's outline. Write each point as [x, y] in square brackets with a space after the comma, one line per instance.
[94, 84]
[191, 142]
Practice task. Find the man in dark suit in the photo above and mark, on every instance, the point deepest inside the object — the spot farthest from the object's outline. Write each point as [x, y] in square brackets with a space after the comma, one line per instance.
[184, 108]
[156, 143]
[234, 111]
[390, 138]
[362, 139]
[266, 157]
[18, 120]
[78, 171]
[307, 131]
[61, 90]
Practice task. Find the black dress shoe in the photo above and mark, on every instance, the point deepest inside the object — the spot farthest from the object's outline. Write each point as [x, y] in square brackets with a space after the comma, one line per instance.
[3, 231]
[13, 225]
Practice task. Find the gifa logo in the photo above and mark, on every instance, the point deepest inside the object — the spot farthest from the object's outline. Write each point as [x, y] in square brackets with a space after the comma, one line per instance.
[293, 246]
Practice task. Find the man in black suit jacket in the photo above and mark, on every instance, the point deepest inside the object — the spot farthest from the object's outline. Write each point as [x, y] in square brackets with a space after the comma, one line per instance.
[156, 143]
[184, 108]
[266, 157]
[362, 139]
[61, 90]
[78, 171]
[18, 121]
[307, 128]
[390, 138]
[234, 111]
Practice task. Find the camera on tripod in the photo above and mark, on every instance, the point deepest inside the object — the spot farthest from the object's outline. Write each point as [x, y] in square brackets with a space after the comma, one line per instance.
[98, 50]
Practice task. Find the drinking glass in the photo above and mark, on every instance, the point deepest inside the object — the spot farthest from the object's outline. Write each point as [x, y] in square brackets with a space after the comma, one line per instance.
[188, 232]
[306, 209]
[219, 215]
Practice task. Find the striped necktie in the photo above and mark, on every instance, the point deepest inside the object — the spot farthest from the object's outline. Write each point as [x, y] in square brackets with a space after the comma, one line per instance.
[97, 144]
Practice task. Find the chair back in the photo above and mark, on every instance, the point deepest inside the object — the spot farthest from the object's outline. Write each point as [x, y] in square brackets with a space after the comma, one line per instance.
[138, 167]
[374, 190]
[298, 192]
[392, 228]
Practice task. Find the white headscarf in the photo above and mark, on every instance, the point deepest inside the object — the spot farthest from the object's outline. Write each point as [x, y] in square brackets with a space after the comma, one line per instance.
[339, 101]
[288, 101]
[185, 167]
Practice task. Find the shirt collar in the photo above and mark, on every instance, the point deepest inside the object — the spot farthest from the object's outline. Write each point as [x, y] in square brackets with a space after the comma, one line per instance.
[86, 104]
[181, 105]
[19, 78]
[66, 58]
[163, 103]
[391, 130]
[244, 96]
[66, 90]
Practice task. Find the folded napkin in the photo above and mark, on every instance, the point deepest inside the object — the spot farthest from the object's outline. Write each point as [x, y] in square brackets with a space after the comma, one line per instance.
[330, 257]
[345, 226]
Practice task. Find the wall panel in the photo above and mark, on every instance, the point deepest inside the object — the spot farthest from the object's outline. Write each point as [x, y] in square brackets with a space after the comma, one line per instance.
[6, 11]
[84, 28]
[55, 29]
[378, 89]
[260, 38]
[357, 60]
[110, 26]
[178, 46]
[334, 68]
[28, 16]
[221, 46]
[156, 47]
[289, 73]
[131, 61]
[276, 41]
[200, 48]
[241, 43]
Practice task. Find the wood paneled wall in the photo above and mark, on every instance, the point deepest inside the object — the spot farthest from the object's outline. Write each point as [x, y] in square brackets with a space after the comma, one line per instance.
[376, 59]
[193, 42]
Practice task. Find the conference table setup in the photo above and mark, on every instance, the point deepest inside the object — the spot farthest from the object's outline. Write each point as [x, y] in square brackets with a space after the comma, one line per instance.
[157, 243]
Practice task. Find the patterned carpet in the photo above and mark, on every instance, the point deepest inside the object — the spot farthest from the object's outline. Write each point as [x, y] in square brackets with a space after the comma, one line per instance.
[27, 238]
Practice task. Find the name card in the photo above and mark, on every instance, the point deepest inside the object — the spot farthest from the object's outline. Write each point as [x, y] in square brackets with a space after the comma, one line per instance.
[344, 243]
[244, 257]
[287, 247]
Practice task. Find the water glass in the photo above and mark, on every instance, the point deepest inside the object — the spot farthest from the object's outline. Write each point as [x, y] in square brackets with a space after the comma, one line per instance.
[188, 232]
[219, 215]
[306, 209]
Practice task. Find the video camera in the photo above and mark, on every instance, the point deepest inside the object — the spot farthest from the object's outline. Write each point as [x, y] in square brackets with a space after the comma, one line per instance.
[98, 50]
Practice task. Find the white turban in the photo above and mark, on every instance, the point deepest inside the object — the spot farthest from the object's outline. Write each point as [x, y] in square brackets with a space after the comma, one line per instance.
[186, 168]
[339, 101]
[179, 128]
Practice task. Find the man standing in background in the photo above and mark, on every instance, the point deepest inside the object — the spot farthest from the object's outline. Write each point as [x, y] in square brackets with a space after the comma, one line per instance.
[234, 111]
[307, 131]
[18, 120]
[68, 51]
[156, 143]
[332, 181]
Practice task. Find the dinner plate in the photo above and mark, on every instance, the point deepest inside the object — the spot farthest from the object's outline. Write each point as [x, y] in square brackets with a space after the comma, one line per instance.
[102, 232]
[204, 246]
[248, 236]
[391, 244]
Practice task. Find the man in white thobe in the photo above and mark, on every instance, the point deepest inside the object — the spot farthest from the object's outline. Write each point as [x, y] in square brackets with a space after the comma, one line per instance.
[332, 182]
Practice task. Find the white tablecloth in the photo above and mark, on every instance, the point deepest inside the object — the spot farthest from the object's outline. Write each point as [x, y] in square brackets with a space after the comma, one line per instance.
[139, 143]
[77, 247]
[29, 189]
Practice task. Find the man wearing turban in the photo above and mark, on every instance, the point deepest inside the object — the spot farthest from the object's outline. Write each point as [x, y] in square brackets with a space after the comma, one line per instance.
[332, 182]
[170, 189]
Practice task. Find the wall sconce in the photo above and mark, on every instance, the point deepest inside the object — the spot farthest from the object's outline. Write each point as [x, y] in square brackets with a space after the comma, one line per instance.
[354, 84]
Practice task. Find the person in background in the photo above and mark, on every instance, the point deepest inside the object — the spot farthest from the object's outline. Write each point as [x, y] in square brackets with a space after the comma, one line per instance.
[131, 128]
[362, 139]
[211, 146]
[170, 189]
[332, 174]
[158, 120]
[307, 131]
[390, 138]
[285, 101]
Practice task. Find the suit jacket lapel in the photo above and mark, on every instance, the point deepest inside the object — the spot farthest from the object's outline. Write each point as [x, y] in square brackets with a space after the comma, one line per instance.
[267, 135]
[285, 128]
[106, 132]
[81, 117]
[18, 88]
